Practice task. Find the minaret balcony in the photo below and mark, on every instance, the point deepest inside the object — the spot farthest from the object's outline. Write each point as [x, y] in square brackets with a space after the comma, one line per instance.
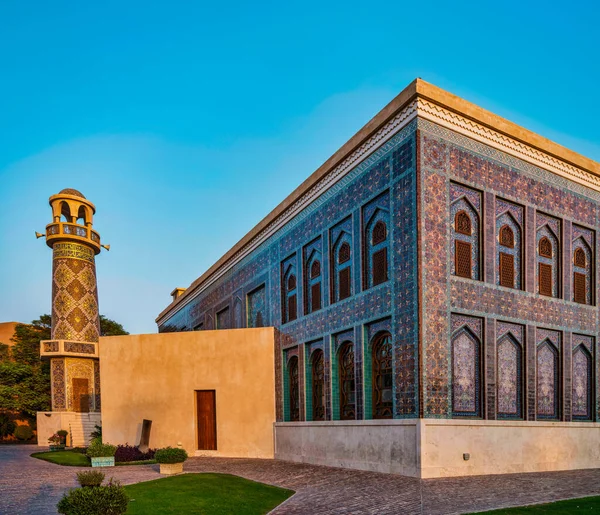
[66, 231]
[68, 348]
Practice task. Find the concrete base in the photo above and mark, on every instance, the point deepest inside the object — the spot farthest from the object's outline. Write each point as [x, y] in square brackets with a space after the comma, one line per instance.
[431, 448]
[79, 426]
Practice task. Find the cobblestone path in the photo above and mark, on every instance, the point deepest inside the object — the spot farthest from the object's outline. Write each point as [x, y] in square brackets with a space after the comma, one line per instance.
[31, 486]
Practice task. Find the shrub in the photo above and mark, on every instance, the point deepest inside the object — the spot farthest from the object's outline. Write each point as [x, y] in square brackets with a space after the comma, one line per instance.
[80, 450]
[170, 455]
[7, 426]
[127, 453]
[23, 433]
[97, 432]
[101, 450]
[90, 478]
[62, 433]
[102, 500]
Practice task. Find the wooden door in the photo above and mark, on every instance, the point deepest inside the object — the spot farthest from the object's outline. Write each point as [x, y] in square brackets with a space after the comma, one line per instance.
[81, 397]
[207, 420]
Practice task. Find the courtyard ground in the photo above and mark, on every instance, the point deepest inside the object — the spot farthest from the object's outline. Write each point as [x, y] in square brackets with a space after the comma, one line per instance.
[31, 486]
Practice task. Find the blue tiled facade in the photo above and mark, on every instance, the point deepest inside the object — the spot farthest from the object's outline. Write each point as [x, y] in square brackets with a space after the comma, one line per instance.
[464, 347]
[382, 187]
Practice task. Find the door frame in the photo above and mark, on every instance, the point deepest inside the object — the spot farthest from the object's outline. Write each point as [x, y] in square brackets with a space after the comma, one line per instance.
[196, 425]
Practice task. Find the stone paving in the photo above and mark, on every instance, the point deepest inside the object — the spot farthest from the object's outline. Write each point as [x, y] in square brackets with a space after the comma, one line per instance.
[31, 486]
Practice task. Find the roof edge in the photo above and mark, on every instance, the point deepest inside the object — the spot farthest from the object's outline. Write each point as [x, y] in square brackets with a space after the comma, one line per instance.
[416, 89]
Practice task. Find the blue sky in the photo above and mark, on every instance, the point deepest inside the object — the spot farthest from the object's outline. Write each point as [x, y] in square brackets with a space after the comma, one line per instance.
[187, 122]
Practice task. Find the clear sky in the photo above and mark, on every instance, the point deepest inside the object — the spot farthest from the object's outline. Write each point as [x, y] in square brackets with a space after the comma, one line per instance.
[187, 122]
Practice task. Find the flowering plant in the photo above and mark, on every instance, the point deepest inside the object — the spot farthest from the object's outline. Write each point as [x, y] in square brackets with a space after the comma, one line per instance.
[54, 439]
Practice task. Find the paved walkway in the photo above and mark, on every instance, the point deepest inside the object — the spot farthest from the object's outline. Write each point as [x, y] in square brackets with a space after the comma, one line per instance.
[31, 486]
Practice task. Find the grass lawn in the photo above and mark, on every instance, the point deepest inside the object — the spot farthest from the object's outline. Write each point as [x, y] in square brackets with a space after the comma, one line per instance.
[69, 458]
[583, 505]
[204, 493]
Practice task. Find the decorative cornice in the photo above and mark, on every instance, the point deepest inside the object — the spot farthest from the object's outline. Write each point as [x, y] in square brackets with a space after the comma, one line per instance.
[399, 121]
[456, 122]
[426, 102]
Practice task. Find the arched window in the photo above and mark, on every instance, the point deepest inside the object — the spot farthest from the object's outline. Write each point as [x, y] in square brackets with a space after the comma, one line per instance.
[312, 282]
[466, 374]
[315, 269]
[582, 272]
[509, 375]
[548, 258]
[579, 258]
[382, 377]
[465, 234]
[507, 237]
[347, 383]
[376, 250]
[318, 385]
[65, 211]
[289, 297]
[545, 247]
[509, 249]
[81, 215]
[342, 268]
[294, 389]
[582, 384]
[379, 234]
[462, 223]
[344, 253]
[547, 381]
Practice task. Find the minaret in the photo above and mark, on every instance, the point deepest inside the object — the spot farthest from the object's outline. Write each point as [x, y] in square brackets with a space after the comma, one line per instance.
[73, 349]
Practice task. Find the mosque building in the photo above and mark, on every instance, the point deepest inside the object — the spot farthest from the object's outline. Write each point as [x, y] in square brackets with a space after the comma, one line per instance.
[425, 303]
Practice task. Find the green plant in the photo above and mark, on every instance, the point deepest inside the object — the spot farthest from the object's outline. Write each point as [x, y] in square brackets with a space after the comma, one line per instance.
[96, 433]
[170, 455]
[101, 450]
[110, 499]
[62, 433]
[7, 426]
[54, 439]
[90, 478]
[23, 433]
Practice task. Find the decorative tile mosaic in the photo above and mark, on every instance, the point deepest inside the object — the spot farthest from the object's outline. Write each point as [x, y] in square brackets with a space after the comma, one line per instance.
[582, 378]
[466, 374]
[469, 202]
[509, 377]
[59, 399]
[257, 307]
[548, 374]
[508, 213]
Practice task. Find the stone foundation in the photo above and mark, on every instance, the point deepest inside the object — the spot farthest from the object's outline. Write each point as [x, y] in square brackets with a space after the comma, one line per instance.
[431, 448]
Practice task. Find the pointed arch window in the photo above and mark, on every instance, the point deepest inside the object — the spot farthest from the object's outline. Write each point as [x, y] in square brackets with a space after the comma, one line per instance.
[312, 281]
[582, 272]
[347, 384]
[509, 249]
[289, 294]
[548, 263]
[294, 389]
[462, 223]
[318, 384]
[547, 381]
[341, 272]
[466, 374]
[382, 376]
[582, 383]
[466, 239]
[376, 249]
[509, 373]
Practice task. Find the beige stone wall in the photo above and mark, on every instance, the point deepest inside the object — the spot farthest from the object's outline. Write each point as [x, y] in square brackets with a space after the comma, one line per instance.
[504, 447]
[154, 377]
[389, 446]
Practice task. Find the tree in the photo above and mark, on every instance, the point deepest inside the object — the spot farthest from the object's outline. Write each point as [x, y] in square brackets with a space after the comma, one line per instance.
[109, 327]
[25, 380]
[27, 338]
